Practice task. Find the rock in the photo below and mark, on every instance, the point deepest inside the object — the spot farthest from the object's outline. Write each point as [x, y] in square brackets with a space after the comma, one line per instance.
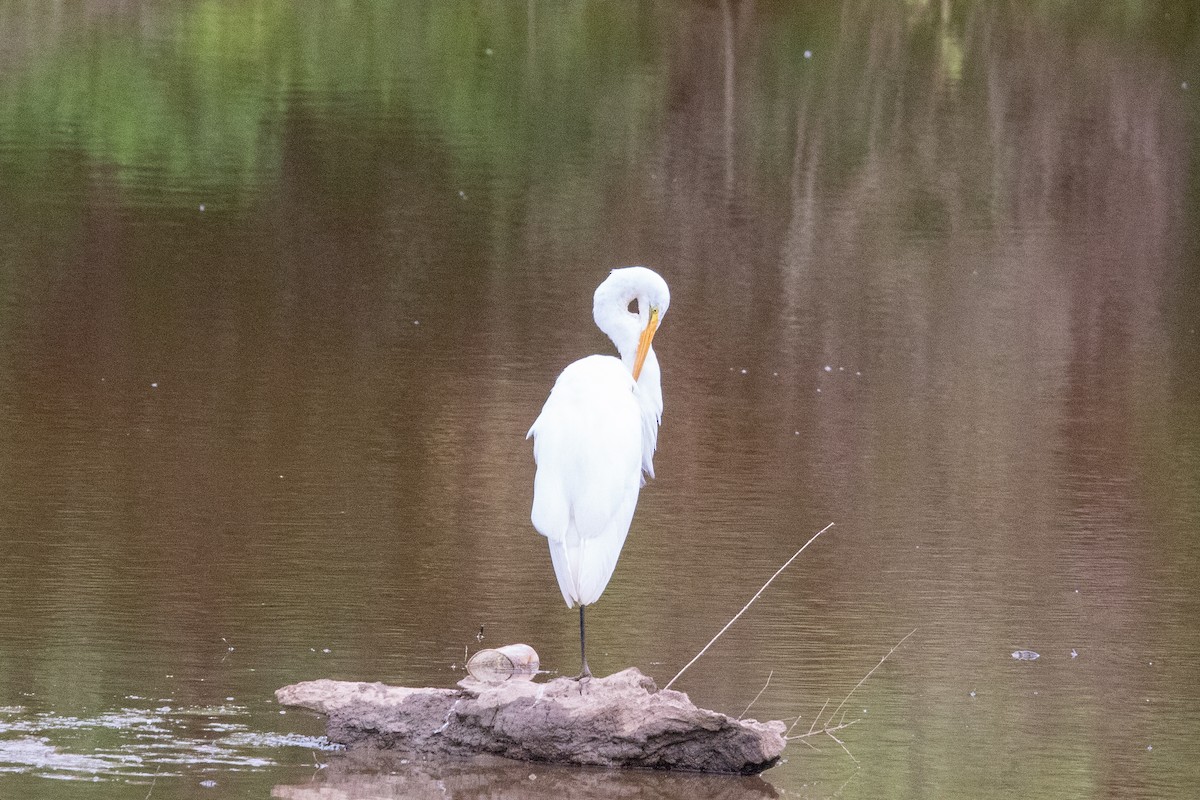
[622, 720]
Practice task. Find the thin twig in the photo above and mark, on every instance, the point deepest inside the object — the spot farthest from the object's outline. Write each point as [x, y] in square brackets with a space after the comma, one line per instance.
[318, 766]
[153, 781]
[819, 731]
[760, 691]
[843, 744]
[828, 729]
[864, 677]
[817, 717]
[743, 611]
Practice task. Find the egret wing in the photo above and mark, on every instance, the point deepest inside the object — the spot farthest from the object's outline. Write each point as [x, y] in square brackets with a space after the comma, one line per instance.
[588, 445]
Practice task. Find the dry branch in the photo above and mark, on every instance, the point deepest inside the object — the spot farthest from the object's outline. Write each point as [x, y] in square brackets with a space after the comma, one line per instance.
[704, 649]
[760, 692]
[817, 728]
[869, 674]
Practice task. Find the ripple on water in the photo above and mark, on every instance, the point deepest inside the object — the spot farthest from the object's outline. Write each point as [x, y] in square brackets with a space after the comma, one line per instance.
[139, 743]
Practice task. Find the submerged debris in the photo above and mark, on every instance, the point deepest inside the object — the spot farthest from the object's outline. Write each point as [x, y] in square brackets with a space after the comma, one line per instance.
[511, 662]
[1026, 655]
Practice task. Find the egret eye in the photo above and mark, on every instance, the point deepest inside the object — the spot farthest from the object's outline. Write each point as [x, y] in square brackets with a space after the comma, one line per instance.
[633, 306]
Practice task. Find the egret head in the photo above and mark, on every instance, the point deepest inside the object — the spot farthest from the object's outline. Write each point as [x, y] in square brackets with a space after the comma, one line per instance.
[629, 306]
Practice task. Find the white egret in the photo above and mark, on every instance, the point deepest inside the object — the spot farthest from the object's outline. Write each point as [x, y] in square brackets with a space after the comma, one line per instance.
[594, 438]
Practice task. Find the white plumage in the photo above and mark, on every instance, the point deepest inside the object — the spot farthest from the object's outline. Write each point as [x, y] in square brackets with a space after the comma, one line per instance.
[595, 436]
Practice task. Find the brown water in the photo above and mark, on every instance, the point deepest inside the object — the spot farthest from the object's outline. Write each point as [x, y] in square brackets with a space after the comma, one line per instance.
[282, 288]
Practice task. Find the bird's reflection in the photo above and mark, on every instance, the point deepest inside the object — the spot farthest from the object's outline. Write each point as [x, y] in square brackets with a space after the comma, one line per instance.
[376, 777]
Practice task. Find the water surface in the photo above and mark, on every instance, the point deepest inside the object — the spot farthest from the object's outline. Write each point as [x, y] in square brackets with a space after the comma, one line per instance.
[282, 289]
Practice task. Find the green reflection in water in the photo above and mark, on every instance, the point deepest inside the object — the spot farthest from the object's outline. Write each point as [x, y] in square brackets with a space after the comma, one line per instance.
[198, 92]
[985, 206]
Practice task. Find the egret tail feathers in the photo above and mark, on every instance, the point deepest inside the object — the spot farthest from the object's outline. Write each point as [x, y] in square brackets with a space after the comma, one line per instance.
[562, 571]
[585, 566]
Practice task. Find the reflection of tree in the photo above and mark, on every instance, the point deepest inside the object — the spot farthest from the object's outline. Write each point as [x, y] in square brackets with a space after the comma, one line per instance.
[997, 199]
[984, 213]
[980, 207]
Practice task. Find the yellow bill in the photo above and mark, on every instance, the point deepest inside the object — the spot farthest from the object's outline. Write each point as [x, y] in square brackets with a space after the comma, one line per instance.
[644, 343]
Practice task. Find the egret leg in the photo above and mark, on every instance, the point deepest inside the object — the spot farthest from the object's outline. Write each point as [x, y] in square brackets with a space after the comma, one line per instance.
[585, 673]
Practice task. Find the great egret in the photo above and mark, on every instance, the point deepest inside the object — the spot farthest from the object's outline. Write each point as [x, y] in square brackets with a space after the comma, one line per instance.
[595, 436]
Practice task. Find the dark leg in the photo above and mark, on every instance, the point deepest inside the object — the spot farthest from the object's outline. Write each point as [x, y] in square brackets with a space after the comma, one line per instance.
[586, 673]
